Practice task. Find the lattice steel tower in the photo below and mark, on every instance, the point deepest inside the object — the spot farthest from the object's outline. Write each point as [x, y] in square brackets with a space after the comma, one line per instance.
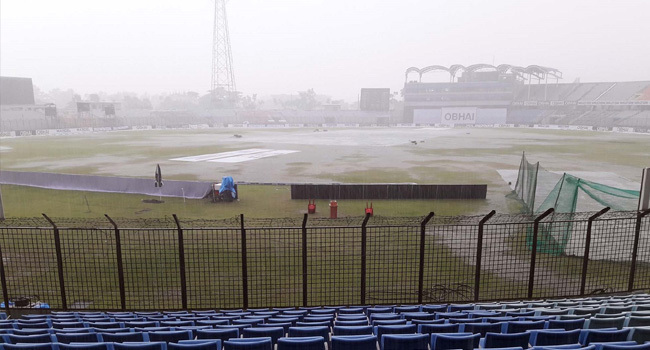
[223, 75]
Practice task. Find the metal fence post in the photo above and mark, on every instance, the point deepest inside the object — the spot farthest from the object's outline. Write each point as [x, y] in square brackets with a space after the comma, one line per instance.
[244, 263]
[364, 234]
[3, 279]
[423, 228]
[120, 265]
[635, 250]
[181, 262]
[533, 254]
[59, 262]
[585, 258]
[304, 260]
[479, 253]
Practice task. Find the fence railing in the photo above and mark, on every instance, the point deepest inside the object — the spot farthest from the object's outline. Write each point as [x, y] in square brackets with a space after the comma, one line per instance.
[241, 262]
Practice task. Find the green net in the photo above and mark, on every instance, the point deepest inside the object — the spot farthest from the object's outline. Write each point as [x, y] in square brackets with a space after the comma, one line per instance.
[569, 194]
[526, 184]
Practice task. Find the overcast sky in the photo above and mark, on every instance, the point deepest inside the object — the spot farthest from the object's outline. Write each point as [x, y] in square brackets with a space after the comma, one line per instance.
[334, 46]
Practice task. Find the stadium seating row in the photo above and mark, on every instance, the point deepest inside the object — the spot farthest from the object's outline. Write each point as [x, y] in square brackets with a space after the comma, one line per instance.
[601, 322]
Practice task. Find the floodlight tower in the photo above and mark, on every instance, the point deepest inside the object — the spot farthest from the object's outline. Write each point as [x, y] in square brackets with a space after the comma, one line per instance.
[223, 75]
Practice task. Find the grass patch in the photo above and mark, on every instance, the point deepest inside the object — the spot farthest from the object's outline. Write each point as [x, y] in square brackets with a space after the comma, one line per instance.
[256, 201]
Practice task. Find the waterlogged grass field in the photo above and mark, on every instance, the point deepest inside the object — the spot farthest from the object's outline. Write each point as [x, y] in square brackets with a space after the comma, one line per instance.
[362, 155]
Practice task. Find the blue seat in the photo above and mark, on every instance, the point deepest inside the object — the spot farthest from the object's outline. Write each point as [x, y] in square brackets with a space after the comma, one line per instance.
[599, 323]
[354, 342]
[313, 324]
[638, 321]
[291, 320]
[124, 337]
[176, 323]
[322, 331]
[68, 338]
[73, 330]
[106, 324]
[418, 315]
[386, 316]
[350, 310]
[31, 331]
[140, 346]
[111, 330]
[454, 341]
[352, 317]
[464, 320]
[170, 336]
[86, 346]
[567, 325]
[640, 334]
[378, 310]
[500, 319]
[552, 312]
[489, 306]
[585, 311]
[405, 341]
[351, 323]
[626, 347]
[460, 307]
[36, 338]
[481, 328]
[34, 346]
[617, 309]
[599, 346]
[498, 340]
[21, 325]
[323, 312]
[142, 324]
[221, 334]
[520, 313]
[212, 322]
[418, 321]
[483, 314]
[195, 345]
[554, 337]
[274, 333]
[62, 325]
[398, 329]
[588, 336]
[264, 343]
[295, 312]
[248, 321]
[301, 343]
[563, 347]
[152, 329]
[438, 328]
[434, 308]
[522, 326]
[388, 322]
[440, 315]
[352, 330]
[285, 326]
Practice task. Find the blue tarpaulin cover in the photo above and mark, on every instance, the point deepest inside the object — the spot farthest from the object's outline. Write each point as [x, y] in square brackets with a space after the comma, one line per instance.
[228, 184]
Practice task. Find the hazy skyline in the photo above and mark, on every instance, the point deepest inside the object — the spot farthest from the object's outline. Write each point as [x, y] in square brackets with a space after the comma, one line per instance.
[335, 47]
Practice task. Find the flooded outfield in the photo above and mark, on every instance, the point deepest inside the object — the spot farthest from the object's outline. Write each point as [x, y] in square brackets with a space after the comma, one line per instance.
[360, 155]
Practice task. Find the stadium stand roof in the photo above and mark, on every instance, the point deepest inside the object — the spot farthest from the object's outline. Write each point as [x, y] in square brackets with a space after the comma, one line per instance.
[536, 71]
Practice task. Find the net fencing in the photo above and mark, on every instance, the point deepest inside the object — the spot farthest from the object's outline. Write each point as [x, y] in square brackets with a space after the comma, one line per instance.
[540, 189]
